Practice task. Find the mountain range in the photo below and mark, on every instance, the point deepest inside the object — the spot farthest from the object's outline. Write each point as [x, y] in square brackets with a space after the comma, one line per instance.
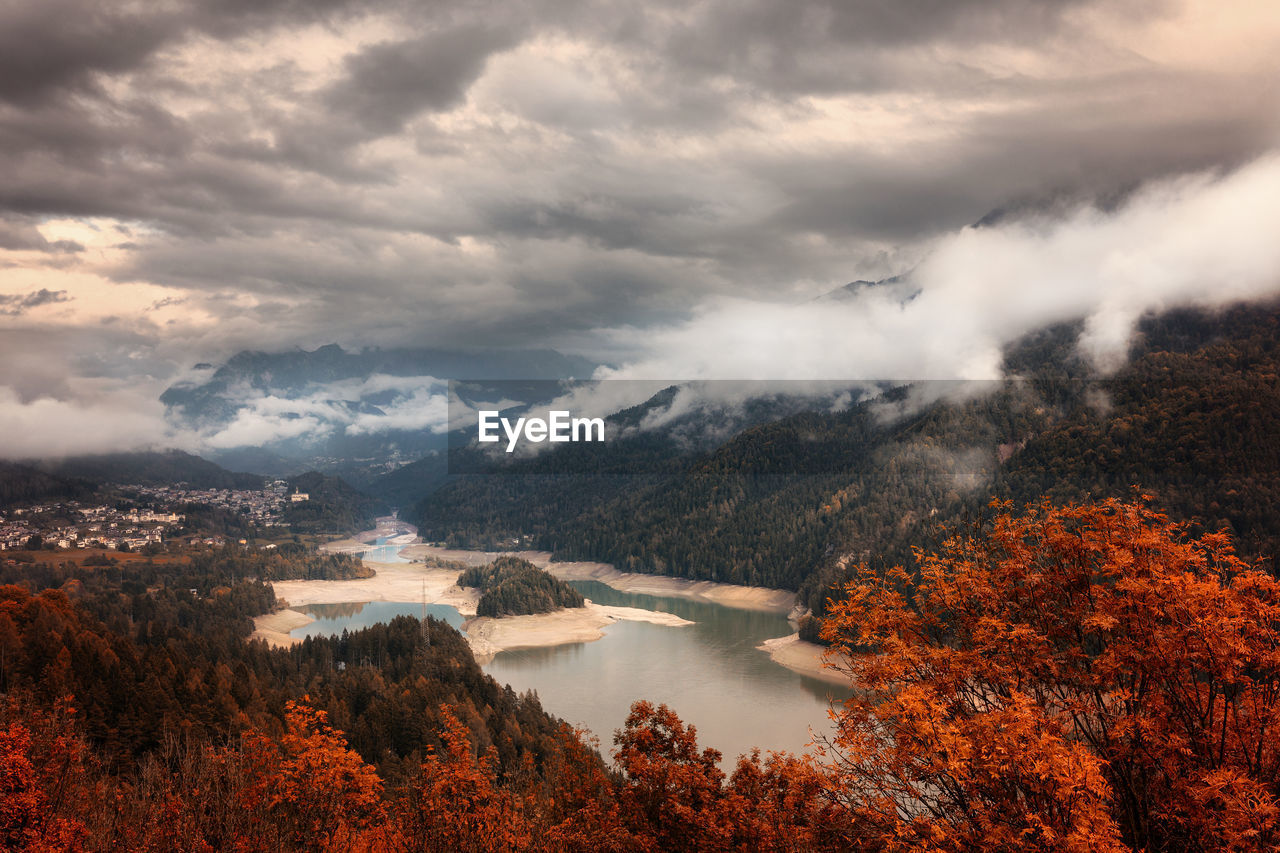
[357, 414]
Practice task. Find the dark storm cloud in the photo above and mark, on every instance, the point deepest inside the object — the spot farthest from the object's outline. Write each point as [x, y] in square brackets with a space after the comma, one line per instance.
[390, 82]
[740, 26]
[60, 43]
[129, 156]
[656, 224]
[43, 296]
[504, 169]
[382, 87]
[89, 159]
[1064, 149]
[394, 289]
[828, 46]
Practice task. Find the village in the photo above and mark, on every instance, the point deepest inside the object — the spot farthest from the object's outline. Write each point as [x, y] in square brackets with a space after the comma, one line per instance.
[137, 517]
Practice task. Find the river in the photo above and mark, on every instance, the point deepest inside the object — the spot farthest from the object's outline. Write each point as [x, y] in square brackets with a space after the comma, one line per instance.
[710, 673]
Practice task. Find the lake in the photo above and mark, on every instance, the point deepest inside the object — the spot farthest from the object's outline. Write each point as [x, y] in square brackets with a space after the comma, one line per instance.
[710, 672]
[336, 618]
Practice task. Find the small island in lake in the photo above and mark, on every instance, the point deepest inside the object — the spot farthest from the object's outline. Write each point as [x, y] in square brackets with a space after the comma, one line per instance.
[512, 586]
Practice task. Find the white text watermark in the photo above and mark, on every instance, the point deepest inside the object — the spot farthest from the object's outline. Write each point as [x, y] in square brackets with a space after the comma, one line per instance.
[557, 427]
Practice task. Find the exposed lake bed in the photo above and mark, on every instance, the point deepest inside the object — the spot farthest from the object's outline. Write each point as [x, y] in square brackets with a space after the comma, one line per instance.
[432, 585]
[730, 595]
[725, 658]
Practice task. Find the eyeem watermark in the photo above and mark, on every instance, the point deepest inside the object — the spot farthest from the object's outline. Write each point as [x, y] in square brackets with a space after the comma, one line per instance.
[557, 428]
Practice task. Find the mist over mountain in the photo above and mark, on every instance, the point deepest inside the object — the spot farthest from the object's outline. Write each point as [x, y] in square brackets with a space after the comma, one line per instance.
[794, 501]
[360, 413]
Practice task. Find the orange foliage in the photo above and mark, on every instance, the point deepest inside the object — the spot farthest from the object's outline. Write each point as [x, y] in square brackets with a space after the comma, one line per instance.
[784, 803]
[310, 792]
[579, 805]
[454, 805]
[673, 789]
[38, 769]
[1078, 678]
[674, 796]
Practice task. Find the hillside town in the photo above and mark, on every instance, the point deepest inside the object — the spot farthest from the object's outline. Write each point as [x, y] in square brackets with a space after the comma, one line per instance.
[142, 516]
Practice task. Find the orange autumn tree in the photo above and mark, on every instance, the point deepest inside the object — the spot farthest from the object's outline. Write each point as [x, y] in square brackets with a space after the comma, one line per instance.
[674, 796]
[1076, 678]
[454, 804]
[578, 800]
[673, 789]
[41, 762]
[309, 792]
[783, 802]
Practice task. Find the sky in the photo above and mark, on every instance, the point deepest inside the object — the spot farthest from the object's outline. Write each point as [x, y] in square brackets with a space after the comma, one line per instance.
[668, 187]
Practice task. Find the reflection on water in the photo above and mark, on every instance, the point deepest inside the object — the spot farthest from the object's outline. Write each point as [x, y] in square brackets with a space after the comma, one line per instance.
[352, 616]
[711, 673]
[344, 611]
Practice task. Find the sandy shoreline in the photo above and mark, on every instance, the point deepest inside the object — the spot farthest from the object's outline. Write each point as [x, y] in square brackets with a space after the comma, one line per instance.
[410, 582]
[803, 657]
[728, 595]
[392, 582]
[575, 625]
[275, 627]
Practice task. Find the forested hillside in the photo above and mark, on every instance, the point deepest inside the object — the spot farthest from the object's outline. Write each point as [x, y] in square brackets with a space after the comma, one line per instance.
[167, 468]
[20, 484]
[149, 648]
[511, 586]
[332, 506]
[792, 504]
